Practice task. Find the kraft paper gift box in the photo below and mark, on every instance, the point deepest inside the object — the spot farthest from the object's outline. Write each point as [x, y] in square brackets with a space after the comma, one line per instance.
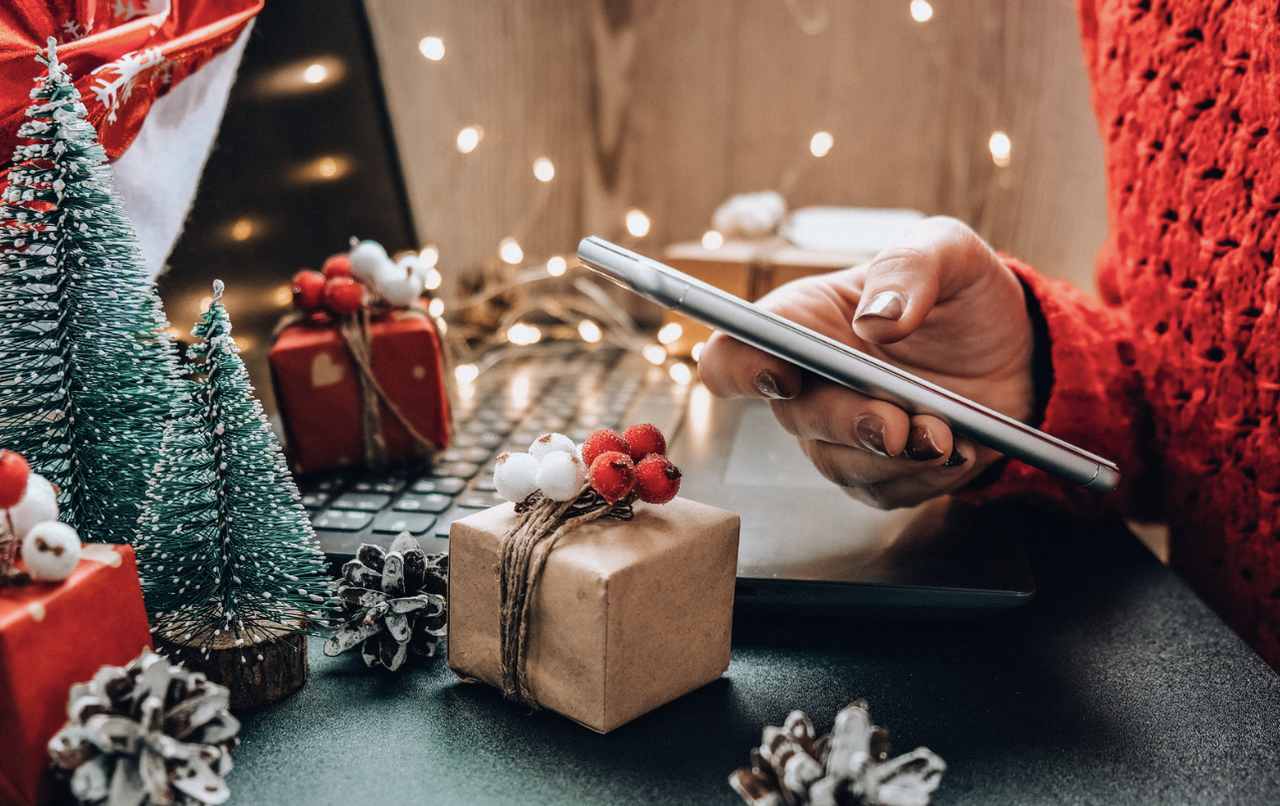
[53, 635]
[629, 615]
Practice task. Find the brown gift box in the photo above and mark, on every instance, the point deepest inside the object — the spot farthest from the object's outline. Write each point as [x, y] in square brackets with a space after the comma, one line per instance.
[629, 615]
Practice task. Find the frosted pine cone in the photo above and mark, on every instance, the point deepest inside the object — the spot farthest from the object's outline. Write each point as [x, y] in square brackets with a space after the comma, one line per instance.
[393, 603]
[147, 733]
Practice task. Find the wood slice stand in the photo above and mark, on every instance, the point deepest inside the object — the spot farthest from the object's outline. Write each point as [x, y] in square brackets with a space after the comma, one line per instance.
[253, 683]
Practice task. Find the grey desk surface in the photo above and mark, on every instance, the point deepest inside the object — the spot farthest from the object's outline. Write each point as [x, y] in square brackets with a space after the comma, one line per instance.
[1115, 685]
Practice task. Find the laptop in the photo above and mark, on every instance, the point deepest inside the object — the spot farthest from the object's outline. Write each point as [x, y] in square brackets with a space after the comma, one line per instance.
[803, 541]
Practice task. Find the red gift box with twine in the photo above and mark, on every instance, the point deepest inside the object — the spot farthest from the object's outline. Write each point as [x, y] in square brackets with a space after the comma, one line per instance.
[364, 390]
[53, 635]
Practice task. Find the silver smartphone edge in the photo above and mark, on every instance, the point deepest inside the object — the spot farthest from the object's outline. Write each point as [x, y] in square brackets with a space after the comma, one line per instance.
[844, 365]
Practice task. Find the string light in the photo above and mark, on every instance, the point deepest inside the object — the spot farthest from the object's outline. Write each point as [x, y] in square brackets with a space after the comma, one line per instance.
[323, 169]
[680, 373]
[670, 332]
[712, 239]
[921, 11]
[468, 138]
[637, 222]
[556, 266]
[442, 327]
[429, 256]
[820, 144]
[432, 279]
[466, 373]
[654, 354]
[315, 73]
[1001, 148]
[436, 307]
[431, 48]
[589, 331]
[283, 295]
[242, 229]
[544, 170]
[510, 252]
[522, 334]
[696, 352]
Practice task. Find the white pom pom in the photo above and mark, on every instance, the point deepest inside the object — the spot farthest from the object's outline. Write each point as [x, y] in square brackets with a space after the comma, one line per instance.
[550, 443]
[50, 551]
[401, 285]
[515, 476]
[39, 503]
[560, 475]
[369, 261]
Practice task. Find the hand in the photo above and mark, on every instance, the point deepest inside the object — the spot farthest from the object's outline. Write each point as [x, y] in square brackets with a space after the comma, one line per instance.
[942, 306]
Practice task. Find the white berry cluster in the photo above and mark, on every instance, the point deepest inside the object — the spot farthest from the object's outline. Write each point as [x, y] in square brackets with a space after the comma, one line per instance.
[50, 549]
[400, 282]
[553, 466]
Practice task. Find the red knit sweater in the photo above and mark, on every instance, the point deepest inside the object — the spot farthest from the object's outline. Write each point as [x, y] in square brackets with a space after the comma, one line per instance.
[1177, 375]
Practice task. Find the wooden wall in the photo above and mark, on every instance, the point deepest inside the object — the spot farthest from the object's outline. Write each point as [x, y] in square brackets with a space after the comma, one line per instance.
[671, 106]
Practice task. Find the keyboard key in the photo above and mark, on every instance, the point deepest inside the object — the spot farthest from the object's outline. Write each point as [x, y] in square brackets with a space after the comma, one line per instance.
[462, 470]
[472, 455]
[393, 523]
[479, 499]
[314, 501]
[389, 485]
[448, 486]
[365, 502]
[485, 483]
[340, 520]
[432, 502]
[446, 520]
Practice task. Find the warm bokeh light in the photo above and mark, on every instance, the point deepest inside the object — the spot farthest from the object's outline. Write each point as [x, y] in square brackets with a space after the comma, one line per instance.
[432, 279]
[696, 352]
[429, 256]
[820, 144]
[655, 354]
[670, 332]
[436, 307]
[510, 252]
[431, 48]
[442, 327]
[315, 73]
[242, 229]
[556, 266]
[306, 75]
[1001, 148]
[468, 138]
[589, 331]
[523, 334]
[921, 10]
[637, 222]
[466, 373]
[325, 168]
[712, 239]
[544, 170]
[283, 295]
[680, 373]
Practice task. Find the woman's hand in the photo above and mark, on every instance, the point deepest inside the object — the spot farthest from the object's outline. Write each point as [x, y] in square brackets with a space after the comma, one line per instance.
[941, 306]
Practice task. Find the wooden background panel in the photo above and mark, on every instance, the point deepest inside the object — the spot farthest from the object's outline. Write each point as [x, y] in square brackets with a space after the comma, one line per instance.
[671, 106]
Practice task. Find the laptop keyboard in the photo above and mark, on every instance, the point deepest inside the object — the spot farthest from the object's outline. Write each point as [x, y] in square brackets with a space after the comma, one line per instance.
[505, 409]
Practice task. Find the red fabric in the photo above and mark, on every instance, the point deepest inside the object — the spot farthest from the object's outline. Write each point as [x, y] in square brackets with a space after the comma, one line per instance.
[51, 636]
[320, 399]
[168, 39]
[1177, 374]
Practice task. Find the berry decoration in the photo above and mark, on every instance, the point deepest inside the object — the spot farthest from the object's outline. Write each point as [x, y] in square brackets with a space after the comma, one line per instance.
[343, 295]
[369, 261]
[338, 265]
[308, 290]
[603, 441]
[560, 475]
[657, 480]
[613, 475]
[38, 504]
[551, 443]
[644, 439]
[515, 476]
[51, 551]
[14, 472]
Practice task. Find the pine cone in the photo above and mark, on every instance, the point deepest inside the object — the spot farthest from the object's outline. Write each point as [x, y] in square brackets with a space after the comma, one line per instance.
[148, 733]
[393, 603]
[792, 767]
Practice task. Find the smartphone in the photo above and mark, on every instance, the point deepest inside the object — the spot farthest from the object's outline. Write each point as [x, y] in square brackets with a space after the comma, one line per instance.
[844, 365]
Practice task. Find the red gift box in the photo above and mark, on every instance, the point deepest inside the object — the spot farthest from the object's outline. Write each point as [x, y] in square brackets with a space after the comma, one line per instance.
[321, 394]
[53, 635]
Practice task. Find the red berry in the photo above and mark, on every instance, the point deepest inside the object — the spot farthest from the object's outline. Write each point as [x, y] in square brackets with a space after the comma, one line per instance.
[645, 439]
[613, 475]
[343, 295]
[657, 480]
[308, 290]
[14, 472]
[600, 442]
[338, 265]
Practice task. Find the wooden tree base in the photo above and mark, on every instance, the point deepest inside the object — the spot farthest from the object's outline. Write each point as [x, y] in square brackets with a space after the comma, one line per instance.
[253, 683]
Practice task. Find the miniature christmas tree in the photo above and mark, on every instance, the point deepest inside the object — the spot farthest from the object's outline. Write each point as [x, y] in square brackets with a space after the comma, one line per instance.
[230, 564]
[85, 364]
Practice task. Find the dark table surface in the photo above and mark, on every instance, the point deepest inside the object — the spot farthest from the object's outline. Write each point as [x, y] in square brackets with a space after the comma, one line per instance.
[1116, 685]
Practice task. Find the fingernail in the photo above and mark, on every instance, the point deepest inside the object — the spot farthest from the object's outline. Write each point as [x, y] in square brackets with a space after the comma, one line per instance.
[885, 305]
[767, 386]
[920, 444]
[869, 429]
[955, 459]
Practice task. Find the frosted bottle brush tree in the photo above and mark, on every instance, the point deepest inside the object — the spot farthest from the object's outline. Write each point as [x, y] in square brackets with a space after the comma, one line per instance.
[228, 556]
[85, 366]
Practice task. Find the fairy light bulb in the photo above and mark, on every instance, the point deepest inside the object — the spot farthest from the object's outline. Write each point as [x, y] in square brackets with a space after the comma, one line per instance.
[510, 252]
[429, 256]
[670, 333]
[655, 354]
[522, 334]
[283, 295]
[544, 170]
[820, 144]
[589, 331]
[1001, 148]
[315, 73]
[556, 266]
[469, 138]
[696, 352]
[436, 307]
[431, 48]
[242, 229]
[921, 11]
[680, 373]
[432, 279]
[466, 373]
[637, 222]
[712, 239]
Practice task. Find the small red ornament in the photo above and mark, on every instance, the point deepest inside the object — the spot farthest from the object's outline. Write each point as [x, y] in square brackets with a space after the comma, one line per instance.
[601, 441]
[645, 439]
[14, 472]
[308, 290]
[343, 295]
[613, 475]
[338, 265]
[657, 480]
